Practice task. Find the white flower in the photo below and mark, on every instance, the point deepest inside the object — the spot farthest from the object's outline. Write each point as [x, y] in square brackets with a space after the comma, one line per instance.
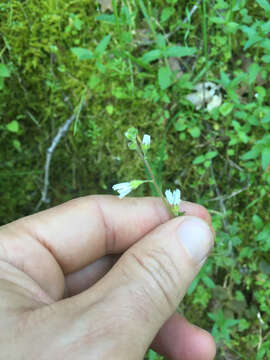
[146, 143]
[173, 197]
[174, 200]
[123, 189]
[126, 187]
[146, 140]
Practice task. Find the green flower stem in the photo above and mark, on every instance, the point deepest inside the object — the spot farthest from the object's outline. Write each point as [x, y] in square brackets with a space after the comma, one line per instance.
[146, 163]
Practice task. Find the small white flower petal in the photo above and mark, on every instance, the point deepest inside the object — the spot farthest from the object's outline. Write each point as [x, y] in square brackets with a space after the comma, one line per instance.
[146, 140]
[169, 196]
[123, 189]
[176, 197]
[121, 186]
[123, 193]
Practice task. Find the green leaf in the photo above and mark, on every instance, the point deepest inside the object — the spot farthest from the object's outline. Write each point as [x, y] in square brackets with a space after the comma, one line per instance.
[152, 355]
[164, 77]
[265, 157]
[131, 134]
[161, 41]
[217, 20]
[208, 282]
[224, 79]
[193, 285]
[257, 221]
[265, 44]
[226, 108]
[101, 67]
[266, 27]
[166, 13]
[180, 125]
[82, 53]
[210, 155]
[231, 27]
[179, 51]
[253, 72]
[102, 45]
[198, 160]
[93, 81]
[243, 136]
[232, 95]
[151, 56]
[249, 31]
[264, 4]
[252, 154]
[106, 18]
[195, 132]
[266, 59]
[110, 109]
[17, 145]
[265, 267]
[4, 71]
[13, 126]
[266, 119]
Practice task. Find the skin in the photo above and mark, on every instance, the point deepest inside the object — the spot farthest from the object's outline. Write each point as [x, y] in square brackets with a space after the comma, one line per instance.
[66, 293]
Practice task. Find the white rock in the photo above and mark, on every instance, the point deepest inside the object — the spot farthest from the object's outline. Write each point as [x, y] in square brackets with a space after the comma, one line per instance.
[206, 94]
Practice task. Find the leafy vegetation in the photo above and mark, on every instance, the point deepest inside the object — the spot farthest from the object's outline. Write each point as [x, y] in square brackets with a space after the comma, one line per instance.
[124, 63]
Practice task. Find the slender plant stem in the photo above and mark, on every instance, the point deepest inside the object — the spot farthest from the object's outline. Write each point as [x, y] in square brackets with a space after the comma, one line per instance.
[204, 30]
[146, 163]
[205, 39]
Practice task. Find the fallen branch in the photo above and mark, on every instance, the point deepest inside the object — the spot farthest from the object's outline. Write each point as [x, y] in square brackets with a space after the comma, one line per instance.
[60, 133]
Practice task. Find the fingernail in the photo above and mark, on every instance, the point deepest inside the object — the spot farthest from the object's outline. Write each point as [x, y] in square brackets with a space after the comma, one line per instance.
[196, 237]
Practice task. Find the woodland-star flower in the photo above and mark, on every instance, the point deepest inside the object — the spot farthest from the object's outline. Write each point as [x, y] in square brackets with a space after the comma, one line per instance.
[174, 200]
[126, 187]
[146, 140]
[146, 143]
[173, 197]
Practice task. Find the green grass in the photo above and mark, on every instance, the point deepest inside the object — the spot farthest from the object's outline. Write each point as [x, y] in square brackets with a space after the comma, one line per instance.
[218, 159]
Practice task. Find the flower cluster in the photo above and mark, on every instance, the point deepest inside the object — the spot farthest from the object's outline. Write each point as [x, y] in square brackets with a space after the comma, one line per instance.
[174, 200]
[171, 199]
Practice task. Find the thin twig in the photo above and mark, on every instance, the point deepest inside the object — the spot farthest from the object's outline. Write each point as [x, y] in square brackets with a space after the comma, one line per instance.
[233, 164]
[60, 133]
[261, 323]
[226, 197]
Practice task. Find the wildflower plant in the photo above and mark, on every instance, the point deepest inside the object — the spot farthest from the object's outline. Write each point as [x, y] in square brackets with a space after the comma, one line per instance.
[171, 199]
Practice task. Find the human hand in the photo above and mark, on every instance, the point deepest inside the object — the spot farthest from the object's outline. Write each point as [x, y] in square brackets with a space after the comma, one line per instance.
[60, 298]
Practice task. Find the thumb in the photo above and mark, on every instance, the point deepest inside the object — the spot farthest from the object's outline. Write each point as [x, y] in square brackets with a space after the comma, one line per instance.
[152, 277]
